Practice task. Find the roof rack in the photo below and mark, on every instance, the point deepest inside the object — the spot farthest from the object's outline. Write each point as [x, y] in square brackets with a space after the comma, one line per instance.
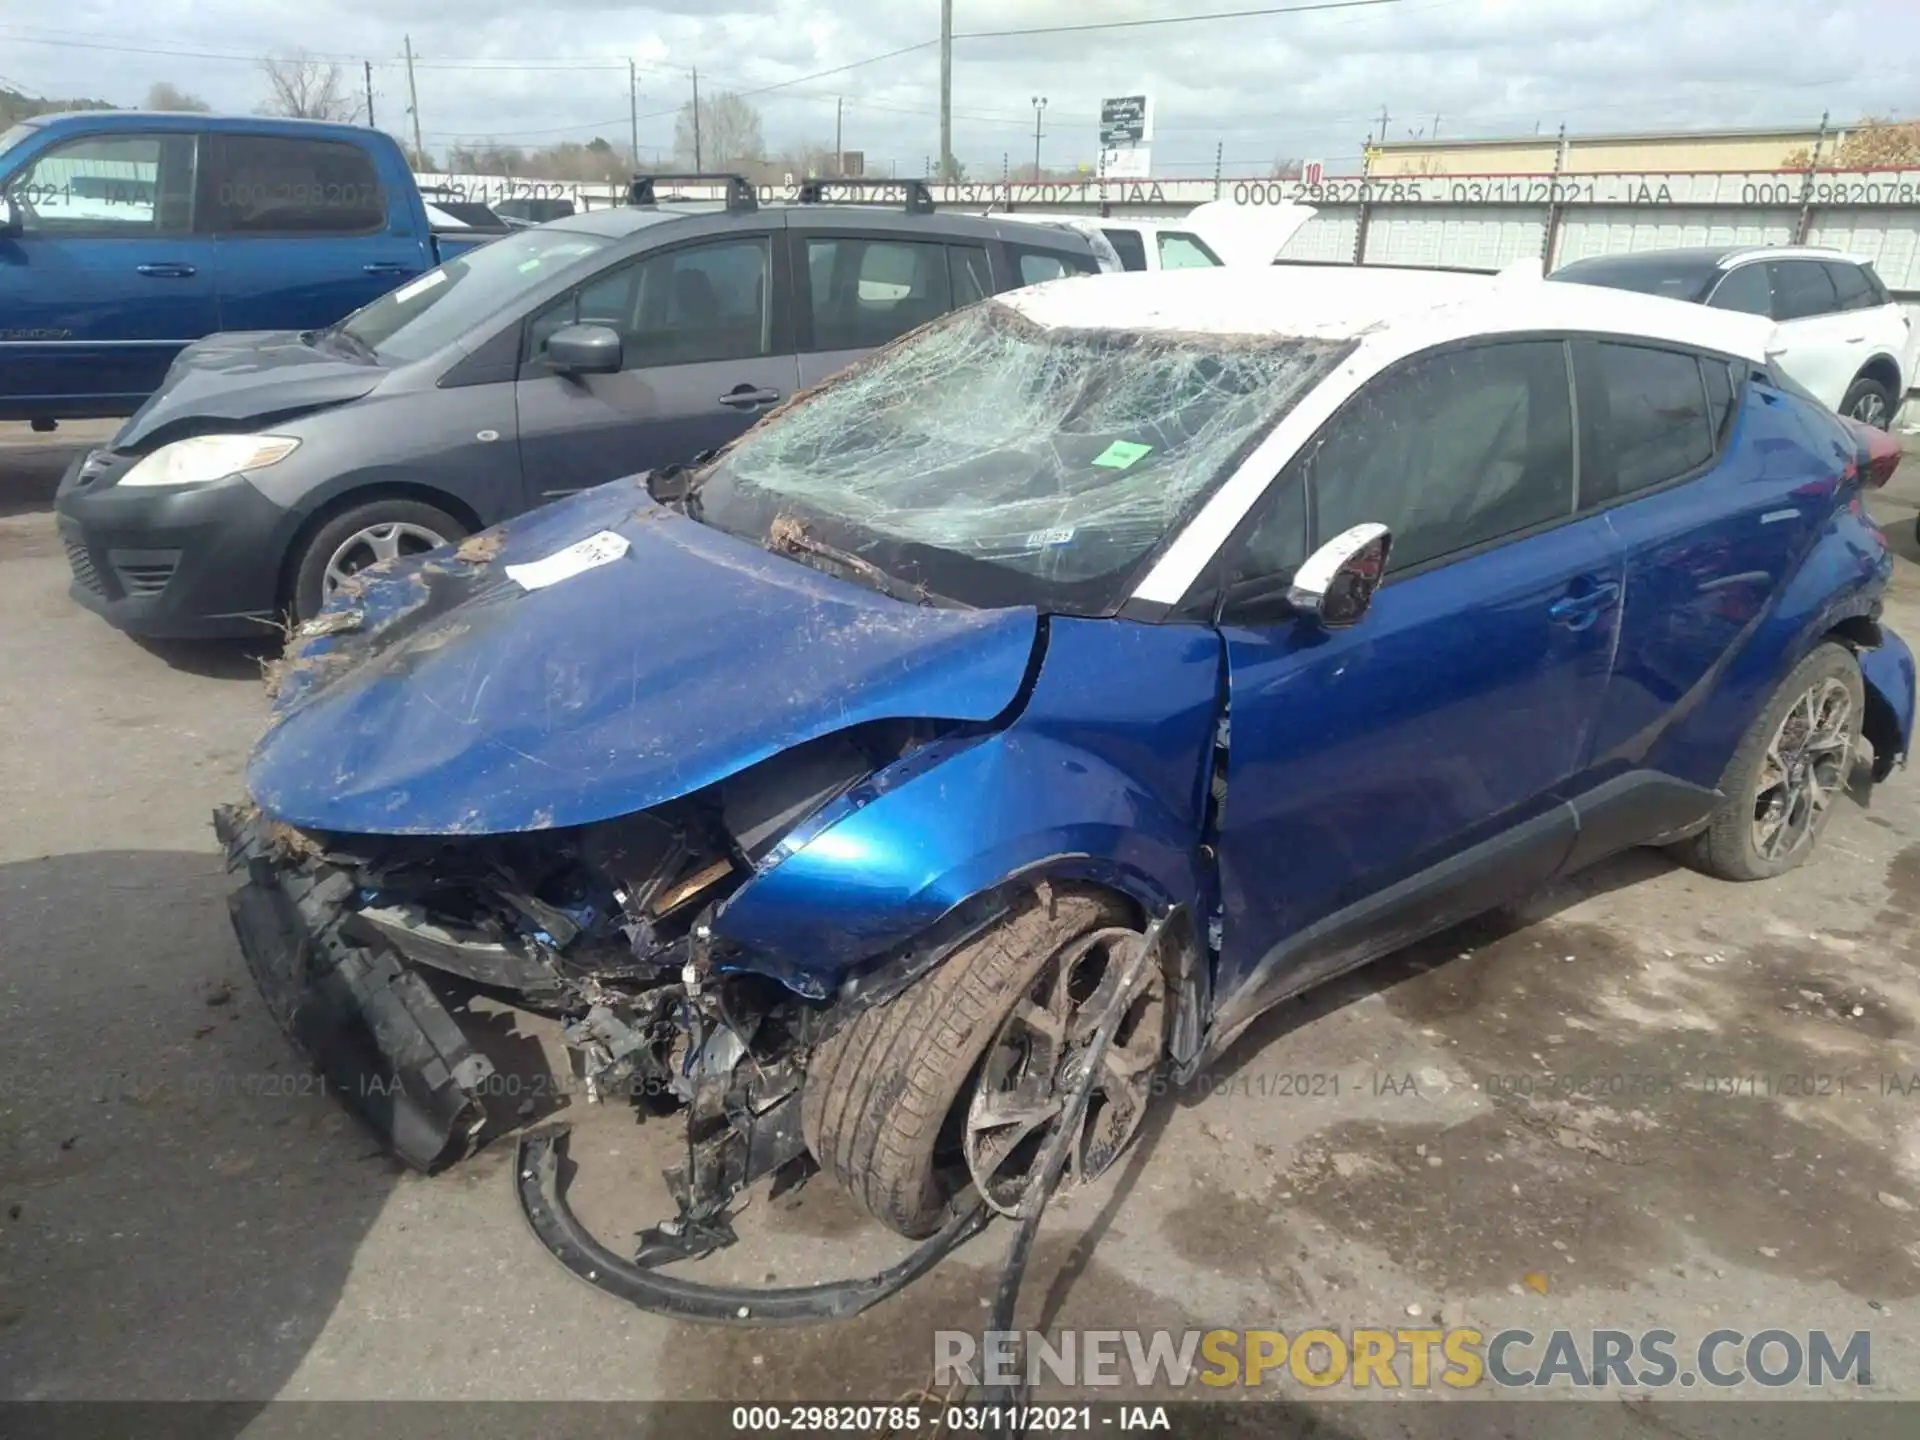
[918, 197]
[738, 189]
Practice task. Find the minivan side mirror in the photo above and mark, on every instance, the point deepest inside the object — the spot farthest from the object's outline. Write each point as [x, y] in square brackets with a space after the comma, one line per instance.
[584, 350]
[1335, 586]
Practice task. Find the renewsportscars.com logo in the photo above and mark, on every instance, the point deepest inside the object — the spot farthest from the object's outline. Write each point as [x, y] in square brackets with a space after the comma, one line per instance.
[1405, 1358]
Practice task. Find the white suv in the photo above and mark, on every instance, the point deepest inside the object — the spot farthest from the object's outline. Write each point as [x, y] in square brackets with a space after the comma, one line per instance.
[1216, 233]
[1837, 332]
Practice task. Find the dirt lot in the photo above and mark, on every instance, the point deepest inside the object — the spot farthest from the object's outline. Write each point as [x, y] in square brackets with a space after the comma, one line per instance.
[181, 1215]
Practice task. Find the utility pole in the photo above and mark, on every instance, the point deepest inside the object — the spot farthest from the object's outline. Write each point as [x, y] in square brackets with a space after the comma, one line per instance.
[839, 114]
[946, 89]
[696, 118]
[1039, 109]
[1384, 117]
[413, 105]
[369, 67]
[633, 116]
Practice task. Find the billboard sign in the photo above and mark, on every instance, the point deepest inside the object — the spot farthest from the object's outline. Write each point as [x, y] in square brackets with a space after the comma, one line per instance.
[1125, 121]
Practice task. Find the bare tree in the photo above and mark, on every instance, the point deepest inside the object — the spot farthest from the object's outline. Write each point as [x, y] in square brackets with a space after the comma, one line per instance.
[303, 88]
[164, 95]
[729, 133]
[1873, 142]
[1285, 168]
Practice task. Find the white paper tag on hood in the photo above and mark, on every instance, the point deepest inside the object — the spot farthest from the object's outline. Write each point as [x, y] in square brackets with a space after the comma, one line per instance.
[576, 559]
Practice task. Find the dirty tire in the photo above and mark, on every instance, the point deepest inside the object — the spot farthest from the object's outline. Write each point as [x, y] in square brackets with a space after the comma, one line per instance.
[307, 591]
[1862, 396]
[1726, 848]
[881, 1091]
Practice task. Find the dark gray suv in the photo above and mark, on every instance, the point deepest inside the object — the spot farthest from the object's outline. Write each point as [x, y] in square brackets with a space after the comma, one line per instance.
[270, 466]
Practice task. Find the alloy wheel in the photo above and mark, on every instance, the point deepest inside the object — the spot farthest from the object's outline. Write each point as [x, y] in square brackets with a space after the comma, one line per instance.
[1871, 409]
[1805, 767]
[1039, 1055]
[386, 541]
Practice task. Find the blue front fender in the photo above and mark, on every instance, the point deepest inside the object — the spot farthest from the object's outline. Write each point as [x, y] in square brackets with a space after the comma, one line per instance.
[1102, 776]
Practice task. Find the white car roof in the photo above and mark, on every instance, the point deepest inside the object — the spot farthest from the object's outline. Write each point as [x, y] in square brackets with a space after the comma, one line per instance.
[1400, 311]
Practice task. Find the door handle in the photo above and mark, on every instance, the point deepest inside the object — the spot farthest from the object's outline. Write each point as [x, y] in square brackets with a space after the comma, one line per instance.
[1856, 339]
[745, 397]
[1577, 612]
[167, 269]
[385, 267]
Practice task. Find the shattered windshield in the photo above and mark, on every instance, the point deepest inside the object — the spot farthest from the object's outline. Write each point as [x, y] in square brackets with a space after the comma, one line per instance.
[995, 461]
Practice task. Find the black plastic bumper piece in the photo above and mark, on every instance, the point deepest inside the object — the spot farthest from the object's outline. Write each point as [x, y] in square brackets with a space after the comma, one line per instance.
[372, 1026]
[543, 1201]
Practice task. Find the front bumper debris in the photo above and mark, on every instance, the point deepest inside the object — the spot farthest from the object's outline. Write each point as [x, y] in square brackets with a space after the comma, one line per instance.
[373, 1026]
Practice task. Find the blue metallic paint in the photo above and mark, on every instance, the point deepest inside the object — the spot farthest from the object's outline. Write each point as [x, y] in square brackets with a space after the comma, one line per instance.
[1102, 775]
[692, 657]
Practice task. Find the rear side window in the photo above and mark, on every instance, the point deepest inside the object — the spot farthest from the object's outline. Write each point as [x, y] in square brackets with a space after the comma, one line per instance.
[863, 293]
[1744, 289]
[1038, 266]
[1185, 252]
[1651, 421]
[1880, 295]
[1850, 283]
[1129, 247]
[1451, 451]
[1801, 288]
[272, 185]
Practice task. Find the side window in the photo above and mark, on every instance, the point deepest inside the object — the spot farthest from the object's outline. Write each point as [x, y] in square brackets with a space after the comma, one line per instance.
[1129, 247]
[1450, 451]
[972, 280]
[271, 185]
[1879, 286]
[1801, 288]
[107, 185]
[863, 293]
[1039, 266]
[1651, 422]
[684, 307]
[1851, 286]
[1722, 390]
[1745, 289]
[1185, 252]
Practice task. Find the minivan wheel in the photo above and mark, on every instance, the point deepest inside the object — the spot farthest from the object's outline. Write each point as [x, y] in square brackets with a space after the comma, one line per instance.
[363, 536]
[1778, 790]
[1870, 402]
[889, 1097]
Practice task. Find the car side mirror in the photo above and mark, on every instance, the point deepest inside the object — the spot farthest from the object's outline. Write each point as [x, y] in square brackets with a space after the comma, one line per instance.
[12, 222]
[584, 350]
[1335, 586]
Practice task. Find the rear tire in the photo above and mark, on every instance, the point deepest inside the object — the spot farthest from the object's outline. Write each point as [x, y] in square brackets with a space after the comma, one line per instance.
[405, 527]
[886, 1099]
[1795, 759]
[1870, 402]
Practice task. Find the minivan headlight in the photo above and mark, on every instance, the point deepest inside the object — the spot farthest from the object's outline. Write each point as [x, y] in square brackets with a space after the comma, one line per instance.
[209, 457]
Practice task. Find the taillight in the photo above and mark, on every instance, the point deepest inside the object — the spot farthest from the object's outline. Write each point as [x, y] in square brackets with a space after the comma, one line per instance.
[1883, 452]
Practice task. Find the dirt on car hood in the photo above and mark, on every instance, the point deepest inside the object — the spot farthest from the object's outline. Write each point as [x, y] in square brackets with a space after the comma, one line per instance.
[448, 697]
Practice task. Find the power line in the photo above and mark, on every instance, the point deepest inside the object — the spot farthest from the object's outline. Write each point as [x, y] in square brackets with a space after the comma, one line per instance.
[1172, 19]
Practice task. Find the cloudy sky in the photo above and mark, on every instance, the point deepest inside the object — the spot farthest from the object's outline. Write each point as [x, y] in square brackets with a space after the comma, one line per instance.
[1309, 84]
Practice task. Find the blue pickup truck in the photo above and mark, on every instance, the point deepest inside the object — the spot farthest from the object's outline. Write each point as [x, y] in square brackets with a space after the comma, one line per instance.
[125, 235]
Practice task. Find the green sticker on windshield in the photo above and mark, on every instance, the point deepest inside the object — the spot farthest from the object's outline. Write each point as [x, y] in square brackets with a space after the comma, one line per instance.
[1122, 455]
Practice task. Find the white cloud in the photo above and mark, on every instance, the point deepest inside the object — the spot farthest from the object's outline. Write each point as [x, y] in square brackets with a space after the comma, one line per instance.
[1304, 85]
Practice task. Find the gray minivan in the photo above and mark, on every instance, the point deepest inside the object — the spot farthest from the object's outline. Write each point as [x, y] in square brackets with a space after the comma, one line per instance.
[270, 466]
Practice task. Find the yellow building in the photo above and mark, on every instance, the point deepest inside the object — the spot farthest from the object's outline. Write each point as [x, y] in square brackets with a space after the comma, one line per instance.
[1647, 152]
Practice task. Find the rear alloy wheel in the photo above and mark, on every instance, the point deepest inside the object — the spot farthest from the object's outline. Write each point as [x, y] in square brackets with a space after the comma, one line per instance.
[1869, 402]
[1794, 761]
[971, 1064]
[364, 536]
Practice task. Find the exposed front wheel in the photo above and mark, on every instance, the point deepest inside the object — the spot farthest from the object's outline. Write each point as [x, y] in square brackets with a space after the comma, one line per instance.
[966, 1073]
[363, 536]
[1794, 761]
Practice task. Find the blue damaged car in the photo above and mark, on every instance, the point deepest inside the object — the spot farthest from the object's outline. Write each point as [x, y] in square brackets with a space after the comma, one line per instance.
[830, 793]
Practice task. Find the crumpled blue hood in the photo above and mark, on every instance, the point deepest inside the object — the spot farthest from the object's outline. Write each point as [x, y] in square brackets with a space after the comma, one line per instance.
[450, 700]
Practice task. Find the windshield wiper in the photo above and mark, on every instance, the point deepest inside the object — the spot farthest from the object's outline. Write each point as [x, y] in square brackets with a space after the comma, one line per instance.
[789, 535]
